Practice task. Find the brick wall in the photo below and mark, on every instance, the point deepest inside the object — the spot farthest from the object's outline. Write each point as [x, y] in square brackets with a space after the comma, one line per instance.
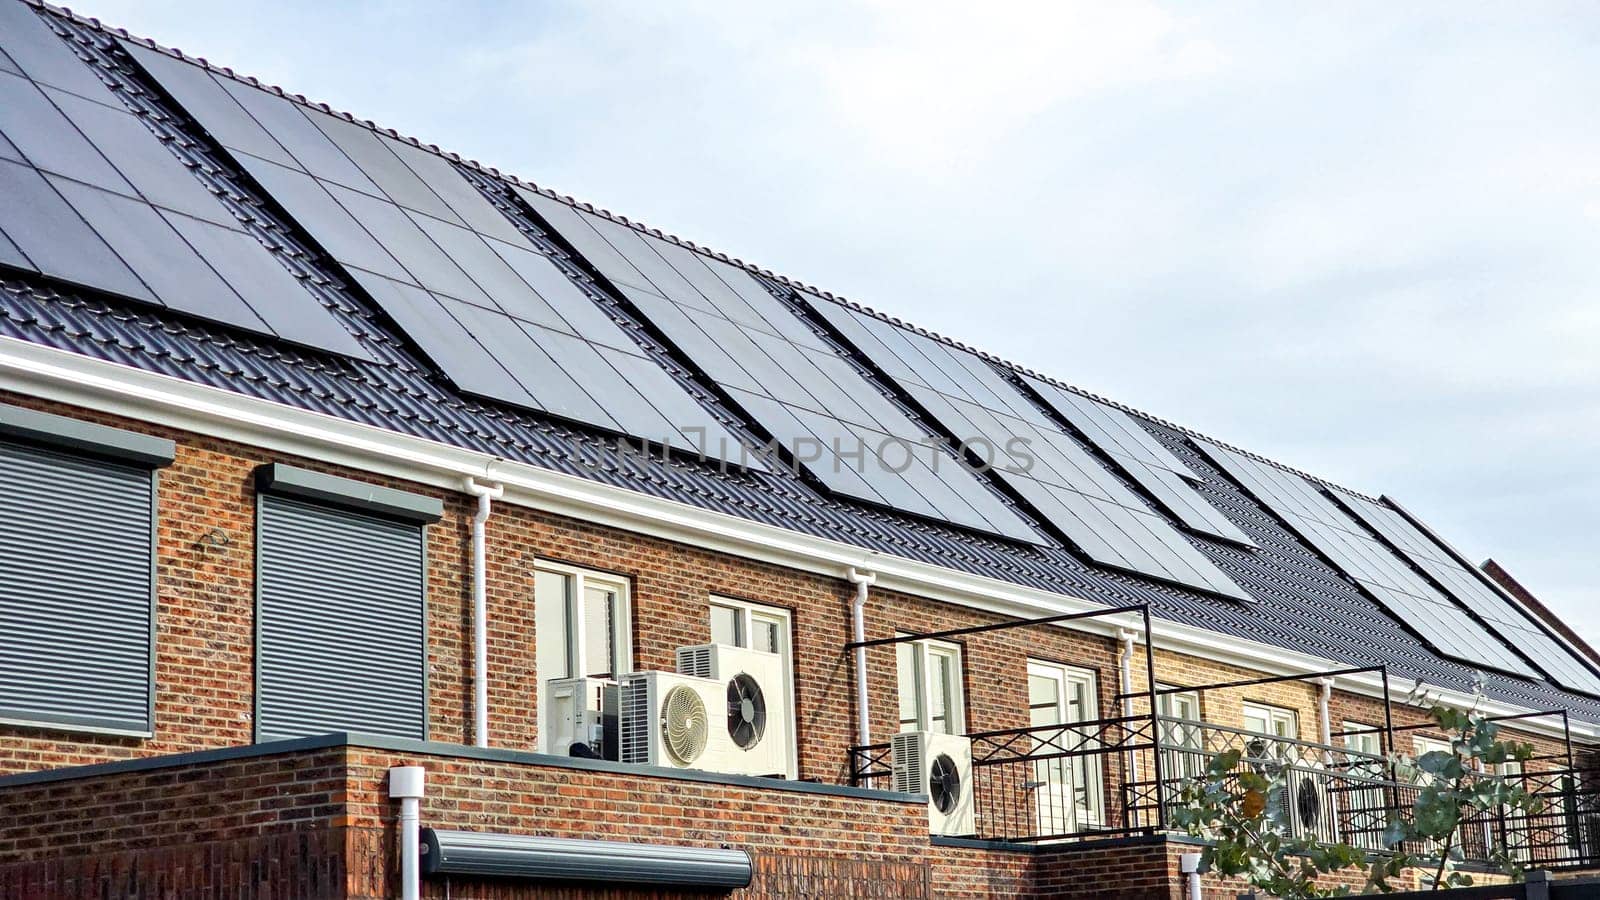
[319, 823]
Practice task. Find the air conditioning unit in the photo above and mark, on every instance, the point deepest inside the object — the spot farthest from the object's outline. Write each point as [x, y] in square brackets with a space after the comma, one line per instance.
[581, 711]
[1312, 806]
[756, 720]
[667, 719]
[939, 765]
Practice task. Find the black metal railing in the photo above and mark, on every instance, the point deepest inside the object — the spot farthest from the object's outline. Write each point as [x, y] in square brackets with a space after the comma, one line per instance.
[1121, 775]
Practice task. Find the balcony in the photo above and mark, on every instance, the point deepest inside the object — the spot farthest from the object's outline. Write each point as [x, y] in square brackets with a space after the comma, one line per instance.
[1118, 777]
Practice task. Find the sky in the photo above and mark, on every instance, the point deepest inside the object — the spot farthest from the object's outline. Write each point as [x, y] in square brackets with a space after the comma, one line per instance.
[1361, 239]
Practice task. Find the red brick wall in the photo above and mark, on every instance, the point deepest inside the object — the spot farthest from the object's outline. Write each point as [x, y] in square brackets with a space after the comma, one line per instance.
[319, 823]
[135, 810]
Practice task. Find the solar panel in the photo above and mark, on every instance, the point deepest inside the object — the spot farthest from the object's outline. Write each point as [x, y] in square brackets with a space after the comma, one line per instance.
[158, 255]
[1502, 614]
[56, 240]
[494, 314]
[48, 140]
[788, 379]
[1147, 462]
[199, 95]
[1387, 578]
[40, 54]
[1044, 465]
[153, 171]
[116, 211]
[10, 254]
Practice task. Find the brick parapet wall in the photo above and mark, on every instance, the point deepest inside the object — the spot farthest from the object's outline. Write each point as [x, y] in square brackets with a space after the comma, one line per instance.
[319, 823]
[213, 801]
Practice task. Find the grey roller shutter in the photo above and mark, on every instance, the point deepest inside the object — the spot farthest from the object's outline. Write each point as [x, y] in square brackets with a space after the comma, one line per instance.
[77, 595]
[341, 621]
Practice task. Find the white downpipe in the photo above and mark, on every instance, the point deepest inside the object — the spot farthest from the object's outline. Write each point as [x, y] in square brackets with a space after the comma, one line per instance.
[1189, 865]
[1125, 668]
[1327, 720]
[863, 581]
[406, 785]
[480, 608]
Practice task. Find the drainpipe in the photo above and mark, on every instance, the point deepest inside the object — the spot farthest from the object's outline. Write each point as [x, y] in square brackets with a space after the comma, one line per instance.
[1127, 637]
[1327, 721]
[863, 581]
[480, 608]
[1189, 865]
[406, 785]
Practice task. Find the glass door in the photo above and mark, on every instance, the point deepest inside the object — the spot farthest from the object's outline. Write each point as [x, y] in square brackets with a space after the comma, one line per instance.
[1067, 790]
[1182, 737]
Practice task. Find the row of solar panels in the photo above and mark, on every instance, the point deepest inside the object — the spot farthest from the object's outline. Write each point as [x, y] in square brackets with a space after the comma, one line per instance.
[479, 277]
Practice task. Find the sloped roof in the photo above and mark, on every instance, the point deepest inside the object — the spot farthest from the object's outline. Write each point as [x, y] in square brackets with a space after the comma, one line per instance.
[1302, 603]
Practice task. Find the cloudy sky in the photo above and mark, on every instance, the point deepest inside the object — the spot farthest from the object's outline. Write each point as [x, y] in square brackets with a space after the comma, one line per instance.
[1363, 240]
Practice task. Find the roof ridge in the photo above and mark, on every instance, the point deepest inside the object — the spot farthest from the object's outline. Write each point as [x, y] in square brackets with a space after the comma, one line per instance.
[687, 244]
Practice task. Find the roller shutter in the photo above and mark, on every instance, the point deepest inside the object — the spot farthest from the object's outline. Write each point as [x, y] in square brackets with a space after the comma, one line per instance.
[77, 589]
[341, 621]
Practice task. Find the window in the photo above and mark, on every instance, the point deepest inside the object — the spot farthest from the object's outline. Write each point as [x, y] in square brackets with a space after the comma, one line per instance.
[741, 624]
[1067, 791]
[1424, 746]
[1273, 722]
[930, 686]
[341, 606]
[1181, 734]
[77, 573]
[581, 624]
[759, 627]
[1364, 739]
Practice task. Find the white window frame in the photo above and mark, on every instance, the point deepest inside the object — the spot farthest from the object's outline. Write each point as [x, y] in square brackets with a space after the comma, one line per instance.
[582, 579]
[1084, 773]
[749, 612]
[1357, 742]
[956, 711]
[1184, 743]
[1273, 715]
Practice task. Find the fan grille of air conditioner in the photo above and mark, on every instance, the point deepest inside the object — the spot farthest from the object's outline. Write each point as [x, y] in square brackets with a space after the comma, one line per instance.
[684, 726]
[633, 731]
[909, 766]
[694, 661]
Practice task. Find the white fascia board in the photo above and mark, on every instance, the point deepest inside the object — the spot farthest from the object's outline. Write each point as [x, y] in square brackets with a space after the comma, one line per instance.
[74, 379]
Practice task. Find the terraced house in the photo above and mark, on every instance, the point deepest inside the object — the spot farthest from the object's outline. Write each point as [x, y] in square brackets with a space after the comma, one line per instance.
[376, 523]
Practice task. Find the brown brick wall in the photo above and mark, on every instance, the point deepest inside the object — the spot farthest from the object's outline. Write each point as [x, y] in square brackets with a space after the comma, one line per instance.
[306, 865]
[130, 811]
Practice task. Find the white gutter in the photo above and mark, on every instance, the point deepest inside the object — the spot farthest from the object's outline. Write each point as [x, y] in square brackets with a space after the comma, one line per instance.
[1327, 722]
[71, 378]
[480, 606]
[1127, 637]
[863, 582]
[406, 785]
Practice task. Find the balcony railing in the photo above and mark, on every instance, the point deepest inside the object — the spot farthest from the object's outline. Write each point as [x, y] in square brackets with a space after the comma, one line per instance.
[1119, 776]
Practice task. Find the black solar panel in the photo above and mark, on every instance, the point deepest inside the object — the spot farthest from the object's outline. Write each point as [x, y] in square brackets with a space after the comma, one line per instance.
[36, 51]
[1069, 488]
[789, 379]
[1470, 588]
[56, 240]
[493, 313]
[115, 210]
[1385, 576]
[1139, 454]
